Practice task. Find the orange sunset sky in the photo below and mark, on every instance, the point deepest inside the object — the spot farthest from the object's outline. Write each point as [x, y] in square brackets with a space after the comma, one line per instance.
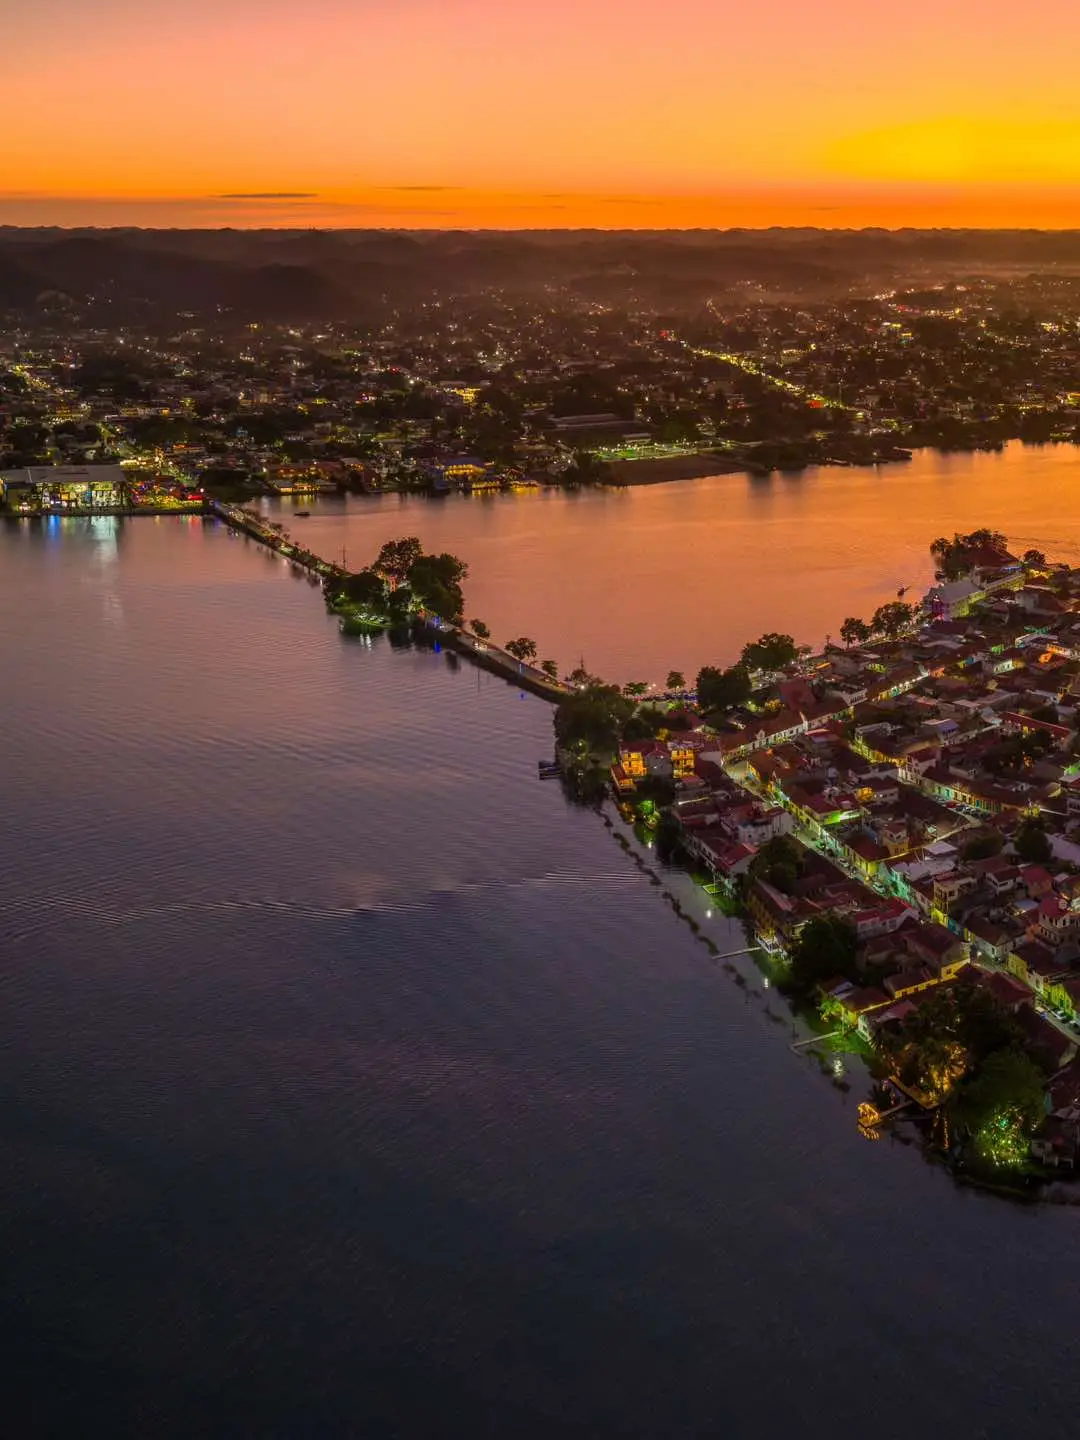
[515, 113]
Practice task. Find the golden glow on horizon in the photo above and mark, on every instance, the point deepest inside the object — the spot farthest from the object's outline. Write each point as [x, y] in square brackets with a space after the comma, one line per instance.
[439, 113]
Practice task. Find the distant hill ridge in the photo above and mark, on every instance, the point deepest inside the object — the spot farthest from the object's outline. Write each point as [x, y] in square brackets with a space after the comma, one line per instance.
[310, 275]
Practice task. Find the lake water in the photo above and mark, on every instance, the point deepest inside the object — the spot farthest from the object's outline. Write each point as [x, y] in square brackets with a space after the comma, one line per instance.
[355, 1085]
[645, 579]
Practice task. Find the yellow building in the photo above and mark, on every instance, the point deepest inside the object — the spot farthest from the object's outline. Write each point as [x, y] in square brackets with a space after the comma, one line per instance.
[633, 762]
[682, 761]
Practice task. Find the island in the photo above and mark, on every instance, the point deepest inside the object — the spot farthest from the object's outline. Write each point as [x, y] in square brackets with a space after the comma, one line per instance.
[894, 819]
[897, 821]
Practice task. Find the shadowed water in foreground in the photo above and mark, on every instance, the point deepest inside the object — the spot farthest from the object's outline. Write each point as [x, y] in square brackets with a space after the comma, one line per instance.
[355, 1085]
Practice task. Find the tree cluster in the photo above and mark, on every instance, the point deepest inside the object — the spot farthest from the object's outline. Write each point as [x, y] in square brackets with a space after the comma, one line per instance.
[771, 652]
[826, 946]
[956, 557]
[404, 578]
[592, 720]
[888, 621]
[779, 863]
[1032, 844]
[963, 1050]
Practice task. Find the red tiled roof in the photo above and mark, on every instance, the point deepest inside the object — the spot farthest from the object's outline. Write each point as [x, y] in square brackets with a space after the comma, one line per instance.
[1035, 875]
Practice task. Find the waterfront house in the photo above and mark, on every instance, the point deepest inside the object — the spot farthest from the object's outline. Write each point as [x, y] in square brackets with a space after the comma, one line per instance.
[725, 861]
[623, 783]
[850, 1005]
[775, 916]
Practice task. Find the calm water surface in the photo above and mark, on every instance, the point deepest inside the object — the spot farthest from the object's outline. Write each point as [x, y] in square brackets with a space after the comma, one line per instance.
[680, 575]
[353, 1085]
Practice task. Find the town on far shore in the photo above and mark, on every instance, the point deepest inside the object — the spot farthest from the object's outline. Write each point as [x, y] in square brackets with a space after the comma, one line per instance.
[897, 819]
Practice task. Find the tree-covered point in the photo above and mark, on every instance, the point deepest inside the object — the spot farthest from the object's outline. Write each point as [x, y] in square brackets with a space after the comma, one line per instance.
[1000, 1108]
[947, 1039]
[403, 579]
[961, 1049]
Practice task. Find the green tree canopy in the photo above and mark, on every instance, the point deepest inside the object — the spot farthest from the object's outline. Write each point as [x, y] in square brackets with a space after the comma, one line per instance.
[722, 689]
[1032, 844]
[892, 618]
[855, 631]
[954, 557]
[397, 557]
[951, 1033]
[522, 648]
[1001, 1107]
[593, 719]
[779, 862]
[676, 680]
[365, 588]
[771, 651]
[435, 580]
[824, 947]
[983, 846]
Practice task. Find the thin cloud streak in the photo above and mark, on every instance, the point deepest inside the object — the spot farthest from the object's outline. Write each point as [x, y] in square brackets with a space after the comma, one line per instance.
[268, 195]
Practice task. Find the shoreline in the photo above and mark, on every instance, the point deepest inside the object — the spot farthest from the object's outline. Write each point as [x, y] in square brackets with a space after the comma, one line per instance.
[674, 467]
[492, 658]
